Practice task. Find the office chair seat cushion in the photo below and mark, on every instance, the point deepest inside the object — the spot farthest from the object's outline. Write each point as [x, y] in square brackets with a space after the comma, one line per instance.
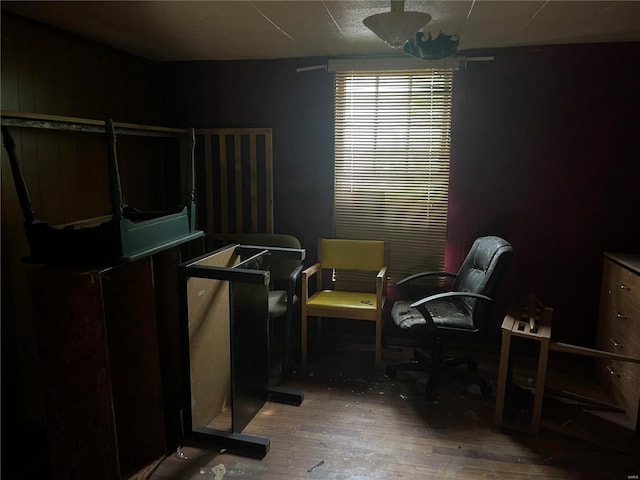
[445, 315]
[278, 303]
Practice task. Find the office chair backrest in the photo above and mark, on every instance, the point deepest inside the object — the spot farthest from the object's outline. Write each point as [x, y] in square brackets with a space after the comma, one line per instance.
[482, 271]
[339, 254]
[279, 267]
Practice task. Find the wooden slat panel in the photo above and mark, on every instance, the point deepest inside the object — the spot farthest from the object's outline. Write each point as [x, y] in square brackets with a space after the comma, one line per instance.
[238, 165]
[268, 153]
[231, 199]
[208, 174]
[254, 182]
[234, 131]
[224, 189]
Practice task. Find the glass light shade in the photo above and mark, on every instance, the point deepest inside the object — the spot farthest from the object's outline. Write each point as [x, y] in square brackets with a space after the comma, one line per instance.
[395, 28]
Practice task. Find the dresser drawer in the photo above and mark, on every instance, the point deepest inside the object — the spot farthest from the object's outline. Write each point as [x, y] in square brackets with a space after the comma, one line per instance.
[618, 335]
[621, 288]
[623, 378]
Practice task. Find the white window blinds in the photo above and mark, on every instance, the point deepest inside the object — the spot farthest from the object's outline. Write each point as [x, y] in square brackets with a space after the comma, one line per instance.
[392, 137]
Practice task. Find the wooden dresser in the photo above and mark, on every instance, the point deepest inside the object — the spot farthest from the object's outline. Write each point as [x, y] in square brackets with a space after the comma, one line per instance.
[619, 330]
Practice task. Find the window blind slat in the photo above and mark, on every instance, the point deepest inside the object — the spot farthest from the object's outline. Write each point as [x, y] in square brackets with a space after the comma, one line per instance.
[392, 143]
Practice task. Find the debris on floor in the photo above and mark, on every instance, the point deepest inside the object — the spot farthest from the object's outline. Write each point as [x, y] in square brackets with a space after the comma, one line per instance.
[218, 471]
[316, 466]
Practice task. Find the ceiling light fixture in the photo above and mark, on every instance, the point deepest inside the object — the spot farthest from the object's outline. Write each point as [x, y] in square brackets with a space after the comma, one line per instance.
[442, 46]
[397, 26]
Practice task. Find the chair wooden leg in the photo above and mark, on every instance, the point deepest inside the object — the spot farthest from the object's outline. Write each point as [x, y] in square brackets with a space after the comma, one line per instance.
[379, 343]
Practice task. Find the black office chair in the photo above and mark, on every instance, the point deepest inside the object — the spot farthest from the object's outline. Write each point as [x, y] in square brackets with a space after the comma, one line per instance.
[465, 310]
[284, 288]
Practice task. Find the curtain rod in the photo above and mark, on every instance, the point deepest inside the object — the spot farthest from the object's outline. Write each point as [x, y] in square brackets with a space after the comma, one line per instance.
[393, 62]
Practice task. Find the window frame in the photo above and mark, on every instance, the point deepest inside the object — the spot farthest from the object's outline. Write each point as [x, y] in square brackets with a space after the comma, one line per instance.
[415, 232]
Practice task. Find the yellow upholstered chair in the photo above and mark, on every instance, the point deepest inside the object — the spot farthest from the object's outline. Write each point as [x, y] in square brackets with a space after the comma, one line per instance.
[348, 256]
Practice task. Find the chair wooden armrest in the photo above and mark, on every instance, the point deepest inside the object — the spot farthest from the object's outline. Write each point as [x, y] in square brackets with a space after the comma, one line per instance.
[381, 295]
[382, 274]
[306, 274]
[312, 270]
[381, 284]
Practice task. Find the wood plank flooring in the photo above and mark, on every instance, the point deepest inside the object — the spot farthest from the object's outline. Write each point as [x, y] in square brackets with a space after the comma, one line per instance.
[357, 424]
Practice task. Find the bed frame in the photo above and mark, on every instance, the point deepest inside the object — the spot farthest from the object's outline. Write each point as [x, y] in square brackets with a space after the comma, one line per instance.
[126, 234]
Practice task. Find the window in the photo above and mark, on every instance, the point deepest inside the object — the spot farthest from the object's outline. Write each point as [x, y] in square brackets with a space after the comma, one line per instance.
[392, 137]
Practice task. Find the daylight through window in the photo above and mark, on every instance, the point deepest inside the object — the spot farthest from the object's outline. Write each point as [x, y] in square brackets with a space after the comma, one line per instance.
[392, 137]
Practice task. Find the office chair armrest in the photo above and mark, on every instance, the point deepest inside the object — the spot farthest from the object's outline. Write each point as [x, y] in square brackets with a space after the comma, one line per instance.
[293, 281]
[415, 276]
[439, 296]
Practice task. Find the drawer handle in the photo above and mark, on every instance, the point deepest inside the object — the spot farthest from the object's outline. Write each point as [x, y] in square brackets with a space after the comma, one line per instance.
[620, 315]
[616, 343]
[622, 286]
[611, 371]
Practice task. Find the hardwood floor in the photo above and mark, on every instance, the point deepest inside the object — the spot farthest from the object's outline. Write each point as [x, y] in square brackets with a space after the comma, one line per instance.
[355, 423]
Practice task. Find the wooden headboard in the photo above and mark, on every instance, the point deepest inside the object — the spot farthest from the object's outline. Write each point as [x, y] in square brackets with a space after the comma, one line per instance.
[235, 182]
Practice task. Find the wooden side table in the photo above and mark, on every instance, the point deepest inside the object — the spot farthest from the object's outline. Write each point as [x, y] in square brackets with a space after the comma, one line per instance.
[530, 320]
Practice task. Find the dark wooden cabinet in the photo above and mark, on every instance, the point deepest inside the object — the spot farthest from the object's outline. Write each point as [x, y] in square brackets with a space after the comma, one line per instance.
[108, 343]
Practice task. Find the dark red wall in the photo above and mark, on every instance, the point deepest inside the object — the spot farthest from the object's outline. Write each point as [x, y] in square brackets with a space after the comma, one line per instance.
[545, 151]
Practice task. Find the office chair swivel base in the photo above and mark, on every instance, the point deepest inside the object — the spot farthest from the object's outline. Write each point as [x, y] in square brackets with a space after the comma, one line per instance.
[423, 363]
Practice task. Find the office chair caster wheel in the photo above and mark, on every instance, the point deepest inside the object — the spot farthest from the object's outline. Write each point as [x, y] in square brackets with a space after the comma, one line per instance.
[431, 394]
[392, 372]
[485, 390]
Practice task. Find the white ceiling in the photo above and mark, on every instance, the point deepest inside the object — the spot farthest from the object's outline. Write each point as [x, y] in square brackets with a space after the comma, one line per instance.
[223, 30]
